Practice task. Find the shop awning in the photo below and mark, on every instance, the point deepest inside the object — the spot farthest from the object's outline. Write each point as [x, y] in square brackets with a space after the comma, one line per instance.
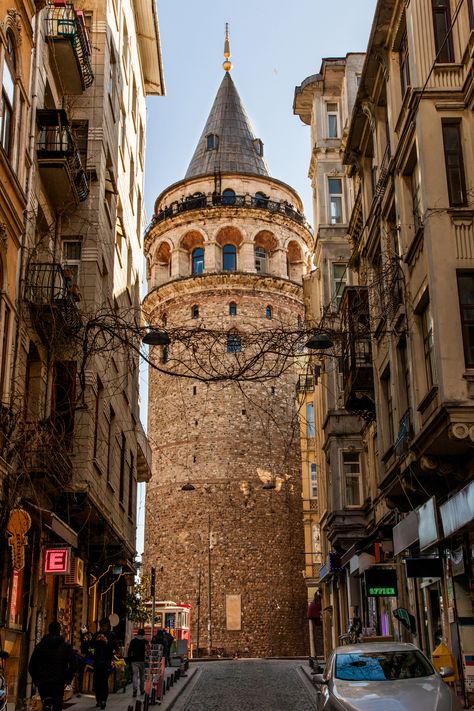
[458, 511]
[405, 533]
[54, 523]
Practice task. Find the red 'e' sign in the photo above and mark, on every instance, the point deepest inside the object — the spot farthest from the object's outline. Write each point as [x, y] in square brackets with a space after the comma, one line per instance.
[56, 560]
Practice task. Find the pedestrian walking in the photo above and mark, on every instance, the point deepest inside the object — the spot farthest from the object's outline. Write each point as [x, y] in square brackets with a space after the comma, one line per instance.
[136, 659]
[168, 648]
[52, 666]
[161, 638]
[104, 643]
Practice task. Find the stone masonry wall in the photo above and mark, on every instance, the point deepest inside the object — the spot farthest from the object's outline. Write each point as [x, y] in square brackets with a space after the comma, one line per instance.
[227, 439]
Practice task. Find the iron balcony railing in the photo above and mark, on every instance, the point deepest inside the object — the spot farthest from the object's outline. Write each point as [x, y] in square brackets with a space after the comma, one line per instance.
[56, 141]
[48, 287]
[64, 22]
[383, 173]
[203, 202]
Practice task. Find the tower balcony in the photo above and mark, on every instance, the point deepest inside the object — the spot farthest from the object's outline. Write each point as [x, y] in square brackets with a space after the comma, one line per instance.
[59, 160]
[213, 201]
[52, 298]
[69, 40]
[357, 351]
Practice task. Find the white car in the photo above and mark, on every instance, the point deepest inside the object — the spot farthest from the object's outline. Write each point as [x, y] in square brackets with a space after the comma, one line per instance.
[385, 676]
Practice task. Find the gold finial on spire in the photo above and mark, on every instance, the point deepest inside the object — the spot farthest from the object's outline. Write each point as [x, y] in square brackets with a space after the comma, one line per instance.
[227, 64]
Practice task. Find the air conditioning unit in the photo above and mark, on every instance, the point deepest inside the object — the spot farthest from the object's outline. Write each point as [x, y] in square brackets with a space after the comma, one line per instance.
[75, 579]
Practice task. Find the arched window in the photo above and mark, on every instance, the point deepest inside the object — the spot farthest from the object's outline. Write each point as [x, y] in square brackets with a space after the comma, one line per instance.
[229, 258]
[195, 311]
[268, 312]
[232, 309]
[261, 200]
[228, 197]
[261, 260]
[8, 96]
[198, 260]
[234, 344]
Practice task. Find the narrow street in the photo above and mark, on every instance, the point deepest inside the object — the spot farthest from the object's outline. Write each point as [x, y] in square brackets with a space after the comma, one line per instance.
[250, 685]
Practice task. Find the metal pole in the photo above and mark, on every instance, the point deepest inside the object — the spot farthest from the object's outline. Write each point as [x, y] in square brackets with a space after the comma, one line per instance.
[198, 611]
[209, 596]
[152, 593]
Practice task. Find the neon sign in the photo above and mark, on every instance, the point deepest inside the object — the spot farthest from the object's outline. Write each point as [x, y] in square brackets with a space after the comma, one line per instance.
[57, 561]
[382, 592]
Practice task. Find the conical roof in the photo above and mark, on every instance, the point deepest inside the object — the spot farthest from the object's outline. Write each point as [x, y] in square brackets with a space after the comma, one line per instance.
[237, 148]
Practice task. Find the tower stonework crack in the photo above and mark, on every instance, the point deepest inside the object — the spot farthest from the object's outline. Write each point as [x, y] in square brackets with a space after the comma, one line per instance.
[227, 249]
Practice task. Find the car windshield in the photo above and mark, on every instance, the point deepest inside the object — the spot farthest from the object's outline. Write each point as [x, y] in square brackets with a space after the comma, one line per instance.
[382, 666]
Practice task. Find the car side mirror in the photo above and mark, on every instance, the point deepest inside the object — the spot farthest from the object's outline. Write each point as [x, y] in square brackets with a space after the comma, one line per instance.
[446, 671]
[319, 679]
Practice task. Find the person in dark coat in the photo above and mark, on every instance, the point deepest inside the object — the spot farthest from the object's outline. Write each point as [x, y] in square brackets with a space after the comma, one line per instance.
[52, 666]
[104, 643]
[168, 647]
[136, 659]
[161, 638]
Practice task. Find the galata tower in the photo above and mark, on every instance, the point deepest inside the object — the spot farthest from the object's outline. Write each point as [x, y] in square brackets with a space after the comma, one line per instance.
[226, 252]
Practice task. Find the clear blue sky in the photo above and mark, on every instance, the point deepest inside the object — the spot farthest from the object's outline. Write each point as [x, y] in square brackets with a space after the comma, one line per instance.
[275, 44]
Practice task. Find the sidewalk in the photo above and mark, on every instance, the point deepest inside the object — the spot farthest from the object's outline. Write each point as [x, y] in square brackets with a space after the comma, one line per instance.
[121, 701]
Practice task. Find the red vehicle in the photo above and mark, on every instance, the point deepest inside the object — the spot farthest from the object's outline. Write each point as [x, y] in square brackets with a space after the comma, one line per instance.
[173, 617]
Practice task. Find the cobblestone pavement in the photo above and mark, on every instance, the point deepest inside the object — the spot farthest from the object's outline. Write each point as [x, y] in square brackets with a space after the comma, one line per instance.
[249, 685]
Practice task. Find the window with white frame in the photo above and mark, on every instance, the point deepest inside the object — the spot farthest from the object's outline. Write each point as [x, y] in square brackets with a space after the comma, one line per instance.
[71, 257]
[352, 478]
[339, 280]
[310, 431]
[335, 200]
[333, 120]
[428, 344]
[314, 480]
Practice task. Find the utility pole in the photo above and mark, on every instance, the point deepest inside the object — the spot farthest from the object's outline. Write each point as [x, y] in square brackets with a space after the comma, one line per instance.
[152, 593]
[209, 594]
[198, 611]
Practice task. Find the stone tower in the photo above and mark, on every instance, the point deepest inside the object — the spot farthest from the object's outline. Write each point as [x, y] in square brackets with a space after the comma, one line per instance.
[226, 253]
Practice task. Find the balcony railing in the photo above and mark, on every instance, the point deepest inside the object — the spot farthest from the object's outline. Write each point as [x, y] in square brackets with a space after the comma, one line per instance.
[44, 455]
[383, 173]
[58, 156]
[209, 202]
[52, 299]
[357, 350]
[65, 25]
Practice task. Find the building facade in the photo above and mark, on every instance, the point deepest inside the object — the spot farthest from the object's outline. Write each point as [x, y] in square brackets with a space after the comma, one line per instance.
[76, 448]
[409, 156]
[226, 252]
[325, 101]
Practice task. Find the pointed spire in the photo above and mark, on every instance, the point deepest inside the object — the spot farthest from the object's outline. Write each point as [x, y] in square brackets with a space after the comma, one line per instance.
[228, 143]
[227, 64]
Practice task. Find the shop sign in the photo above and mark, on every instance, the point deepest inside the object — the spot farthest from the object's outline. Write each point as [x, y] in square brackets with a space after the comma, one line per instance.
[468, 665]
[405, 533]
[380, 582]
[424, 567]
[458, 511]
[428, 531]
[19, 523]
[57, 561]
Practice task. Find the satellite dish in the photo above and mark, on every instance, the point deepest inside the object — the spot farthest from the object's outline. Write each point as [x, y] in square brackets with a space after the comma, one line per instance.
[114, 619]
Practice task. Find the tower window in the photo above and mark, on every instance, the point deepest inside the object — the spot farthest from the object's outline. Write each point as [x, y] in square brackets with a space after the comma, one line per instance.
[260, 260]
[268, 312]
[212, 141]
[261, 200]
[232, 309]
[233, 343]
[229, 261]
[195, 311]
[228, 197]
[165, 356]
[258, 145]
[198, 260]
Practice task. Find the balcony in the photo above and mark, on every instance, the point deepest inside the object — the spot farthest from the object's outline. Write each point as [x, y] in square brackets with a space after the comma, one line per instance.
[357, 352]
[69, 41]
[52, 299]
[44, 457]
[210, 202]
[59, 161]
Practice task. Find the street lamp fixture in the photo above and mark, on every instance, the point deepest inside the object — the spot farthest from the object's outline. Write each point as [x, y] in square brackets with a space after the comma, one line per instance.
[188, 487]
[319, 341]
[156, 337]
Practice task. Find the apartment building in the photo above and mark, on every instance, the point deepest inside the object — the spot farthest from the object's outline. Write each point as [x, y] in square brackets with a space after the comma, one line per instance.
[333, 439]
[77, 448]
[406, 325]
